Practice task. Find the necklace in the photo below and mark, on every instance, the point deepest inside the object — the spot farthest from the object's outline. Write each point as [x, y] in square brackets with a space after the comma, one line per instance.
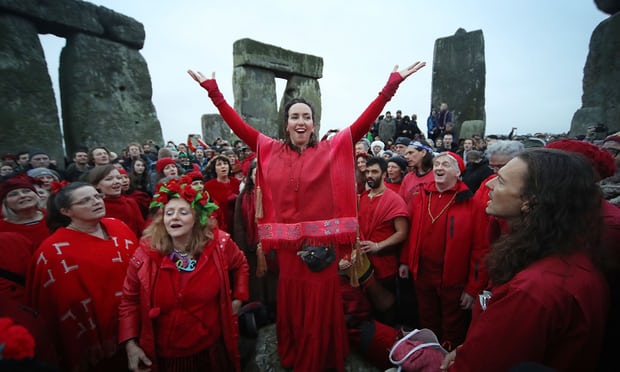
[434, 218]
[377, 194]
[182, 261]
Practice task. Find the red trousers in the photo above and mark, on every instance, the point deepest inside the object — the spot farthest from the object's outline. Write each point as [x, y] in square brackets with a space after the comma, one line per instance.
[440, 311]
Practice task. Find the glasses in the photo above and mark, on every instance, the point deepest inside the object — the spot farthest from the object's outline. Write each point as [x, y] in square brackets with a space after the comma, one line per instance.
[612, 151]
[496, 167]
[89, 200]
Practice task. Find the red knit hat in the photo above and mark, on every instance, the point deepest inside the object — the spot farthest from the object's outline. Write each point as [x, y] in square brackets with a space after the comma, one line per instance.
[195, 176]
[457, 158]
[161, 164]
[20, 181]
[601, 160]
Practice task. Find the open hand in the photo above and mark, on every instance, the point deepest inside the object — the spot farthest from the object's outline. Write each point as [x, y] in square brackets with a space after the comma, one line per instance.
[199, 76]
[410, 70]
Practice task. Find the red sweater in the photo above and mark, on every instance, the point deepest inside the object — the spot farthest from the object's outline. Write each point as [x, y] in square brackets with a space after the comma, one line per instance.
[36, 232]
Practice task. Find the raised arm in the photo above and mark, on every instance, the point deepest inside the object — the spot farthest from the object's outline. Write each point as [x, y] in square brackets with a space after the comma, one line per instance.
[242, 129]
[361, 126]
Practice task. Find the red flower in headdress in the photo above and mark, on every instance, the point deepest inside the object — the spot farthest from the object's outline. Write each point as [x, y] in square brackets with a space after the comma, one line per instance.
[188, 193]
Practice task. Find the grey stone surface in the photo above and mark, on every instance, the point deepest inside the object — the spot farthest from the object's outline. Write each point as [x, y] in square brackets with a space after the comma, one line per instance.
[267, 360]
[66, 17]
[459, 76]
[608, 6]
[472, 127]
[308, 89]
[255, 96]
[256, 67]
[213, 126]
[28, 113]
[283, 62]
[106, 94]
[601, 74]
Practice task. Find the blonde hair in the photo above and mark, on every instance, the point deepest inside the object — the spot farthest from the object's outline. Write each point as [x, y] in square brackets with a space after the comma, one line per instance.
[161, 241]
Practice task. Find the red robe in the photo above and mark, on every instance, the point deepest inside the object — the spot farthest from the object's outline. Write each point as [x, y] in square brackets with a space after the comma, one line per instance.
[307, 197]
[125, 209]
[15, 250]
[139, 310]
[376, 218]
[75, 281]
[553, 312]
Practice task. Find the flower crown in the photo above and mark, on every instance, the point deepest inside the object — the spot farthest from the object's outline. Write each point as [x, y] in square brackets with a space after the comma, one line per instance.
[182, 188]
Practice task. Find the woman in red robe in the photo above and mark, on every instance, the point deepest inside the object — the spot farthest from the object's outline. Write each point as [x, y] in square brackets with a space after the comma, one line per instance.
[223, 188]
[184, 287]
[307, 198]
[76, 276]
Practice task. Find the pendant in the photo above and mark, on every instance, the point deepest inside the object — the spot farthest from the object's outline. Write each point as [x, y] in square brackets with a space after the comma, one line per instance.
[182, 261]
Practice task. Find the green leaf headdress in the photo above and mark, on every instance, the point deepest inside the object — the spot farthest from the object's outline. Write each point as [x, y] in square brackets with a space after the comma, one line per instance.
[182, 188]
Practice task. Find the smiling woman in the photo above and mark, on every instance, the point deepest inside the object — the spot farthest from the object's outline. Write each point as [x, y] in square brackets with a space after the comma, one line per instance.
[291, 177]
[107, 180]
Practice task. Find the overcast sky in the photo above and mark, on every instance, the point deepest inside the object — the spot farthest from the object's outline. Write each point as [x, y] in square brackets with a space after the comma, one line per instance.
[535, 52]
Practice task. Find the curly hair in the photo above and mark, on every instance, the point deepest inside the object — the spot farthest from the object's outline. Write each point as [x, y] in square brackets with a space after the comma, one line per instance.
[564, 214]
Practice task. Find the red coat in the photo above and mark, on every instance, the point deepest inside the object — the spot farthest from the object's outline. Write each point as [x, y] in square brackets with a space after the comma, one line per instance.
[465, 237]
[553, 312]
[136, 312]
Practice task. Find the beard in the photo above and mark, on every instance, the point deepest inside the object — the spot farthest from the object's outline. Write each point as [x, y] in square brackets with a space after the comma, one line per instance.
[373, 183]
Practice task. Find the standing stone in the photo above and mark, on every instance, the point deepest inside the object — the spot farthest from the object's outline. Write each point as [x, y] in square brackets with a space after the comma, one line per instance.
[255, 98]
[470, 128]
[106, 95]
[256, 67]
[307, 88]
[600, 102]
[213, 127]
[28, 113]
[459, 75]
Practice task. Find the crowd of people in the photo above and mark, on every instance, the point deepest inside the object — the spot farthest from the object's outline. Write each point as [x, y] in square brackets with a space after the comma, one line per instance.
[144, 260]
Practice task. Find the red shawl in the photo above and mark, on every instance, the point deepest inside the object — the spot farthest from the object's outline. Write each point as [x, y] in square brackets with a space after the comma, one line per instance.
[307, 197]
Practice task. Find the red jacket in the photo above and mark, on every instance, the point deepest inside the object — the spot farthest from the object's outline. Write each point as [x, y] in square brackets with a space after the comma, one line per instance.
[466, 243]
[136, 312]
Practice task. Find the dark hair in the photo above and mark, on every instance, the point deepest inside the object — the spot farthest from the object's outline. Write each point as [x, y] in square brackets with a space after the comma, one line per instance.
[377, 160]
[61, 199]
[426, 164]
[91, 158]
[563, 215]
[211, 166]
[287, 137]
[249, 184]
[99, 172]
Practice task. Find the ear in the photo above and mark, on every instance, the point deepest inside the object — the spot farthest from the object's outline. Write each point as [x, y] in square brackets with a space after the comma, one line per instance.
[525, 207]
[66, 212]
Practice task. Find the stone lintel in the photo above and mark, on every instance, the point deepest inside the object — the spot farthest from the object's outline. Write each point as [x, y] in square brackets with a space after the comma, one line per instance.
[66, 17]
[284, 63]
